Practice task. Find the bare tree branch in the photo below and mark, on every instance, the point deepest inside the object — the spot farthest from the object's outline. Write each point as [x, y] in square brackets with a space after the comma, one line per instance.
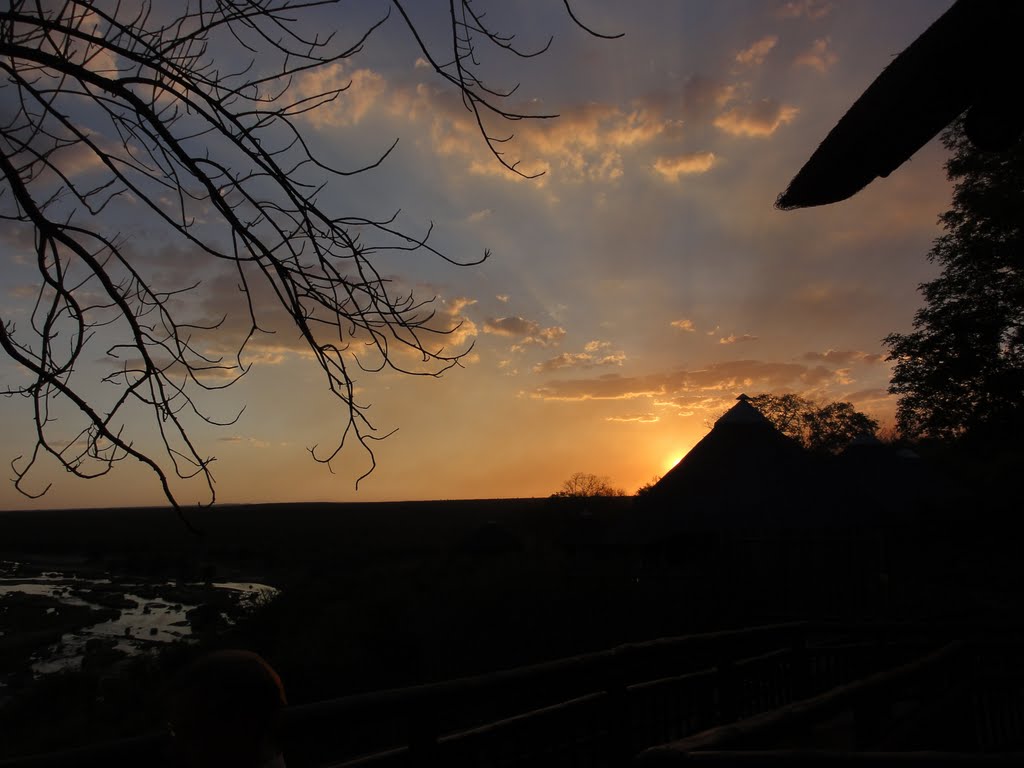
[145, 100]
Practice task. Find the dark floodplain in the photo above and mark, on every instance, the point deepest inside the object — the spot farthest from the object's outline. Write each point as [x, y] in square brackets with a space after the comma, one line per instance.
[826, 555]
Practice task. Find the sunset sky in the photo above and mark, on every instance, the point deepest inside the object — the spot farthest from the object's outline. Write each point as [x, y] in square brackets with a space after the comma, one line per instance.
[633, 290]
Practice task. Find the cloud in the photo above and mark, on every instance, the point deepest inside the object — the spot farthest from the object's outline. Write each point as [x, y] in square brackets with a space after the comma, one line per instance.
[219, 300]
[363, 90]
[875, 396]
[451, 323]
[476, 216]
[610, 386]
[809, 9]
[252, 442]
[755, 54]
[591, 357]
[638, 418]
[703, 96]
[23, 291]
[683, 324]
[511, 326]
[79, 158]
[818, 57]
[844, 357]
[586, 143]
[526, 331]
[758, 119]
[726, 379]
[671, 168]
[734, 339]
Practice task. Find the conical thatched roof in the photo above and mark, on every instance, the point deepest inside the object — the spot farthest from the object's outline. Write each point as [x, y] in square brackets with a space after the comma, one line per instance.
[968, 59]
[740, 471]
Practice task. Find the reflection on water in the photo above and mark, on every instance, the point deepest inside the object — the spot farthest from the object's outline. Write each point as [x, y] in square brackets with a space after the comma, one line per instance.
[150, 613]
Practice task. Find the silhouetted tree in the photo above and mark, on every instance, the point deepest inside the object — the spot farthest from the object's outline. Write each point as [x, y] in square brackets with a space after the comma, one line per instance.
[822, 428]
[586, 485]
[961, 370]
[647, 487]
[187, 111]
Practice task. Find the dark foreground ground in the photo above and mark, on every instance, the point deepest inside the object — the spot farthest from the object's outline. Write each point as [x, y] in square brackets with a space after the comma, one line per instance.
[388, 595]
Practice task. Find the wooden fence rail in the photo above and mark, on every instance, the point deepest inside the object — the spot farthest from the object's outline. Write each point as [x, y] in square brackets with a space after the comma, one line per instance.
[596, 709]
[900, 708]
[846, 759]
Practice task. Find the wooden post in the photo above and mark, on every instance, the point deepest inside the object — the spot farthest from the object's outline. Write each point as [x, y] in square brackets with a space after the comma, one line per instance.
[727, 690]
[620, 722]
[423, 748]
[799, 671]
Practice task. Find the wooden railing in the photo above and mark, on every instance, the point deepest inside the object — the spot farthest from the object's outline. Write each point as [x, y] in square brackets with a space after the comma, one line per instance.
[966, 696]
[601, 709]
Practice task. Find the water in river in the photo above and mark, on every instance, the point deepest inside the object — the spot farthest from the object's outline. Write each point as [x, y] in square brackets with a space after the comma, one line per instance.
[125, 616]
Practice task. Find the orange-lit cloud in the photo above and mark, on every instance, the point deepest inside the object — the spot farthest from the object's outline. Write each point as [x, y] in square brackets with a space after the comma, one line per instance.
[876, 399]
[726, 377]
[734, 339]
[841, 357]
[77, 159]
[819, 57]
[363, 89]
[759, 119]
[692, 404]
[451, 323]
[638, 418]
[588, 142]
[584, 143]
[595, 354]
[610, 386]
[692, 163]
[755, 54]
[683, 324]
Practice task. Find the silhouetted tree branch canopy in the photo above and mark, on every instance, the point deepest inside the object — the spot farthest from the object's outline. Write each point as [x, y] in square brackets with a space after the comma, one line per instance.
[818, 427]
[647, 487]
[960, 372]
[186, 113]
[587, 485]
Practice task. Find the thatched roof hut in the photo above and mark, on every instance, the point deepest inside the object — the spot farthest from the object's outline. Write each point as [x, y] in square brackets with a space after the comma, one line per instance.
[743, 473]
[968, 59]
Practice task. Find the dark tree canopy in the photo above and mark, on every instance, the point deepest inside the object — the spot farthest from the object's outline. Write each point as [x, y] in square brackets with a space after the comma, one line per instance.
[184, 115]
[587, 485]
[821, 428]
[960, 372]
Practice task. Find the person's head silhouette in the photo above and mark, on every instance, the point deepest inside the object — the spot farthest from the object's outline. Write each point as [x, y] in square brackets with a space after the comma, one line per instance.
[224, 711]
